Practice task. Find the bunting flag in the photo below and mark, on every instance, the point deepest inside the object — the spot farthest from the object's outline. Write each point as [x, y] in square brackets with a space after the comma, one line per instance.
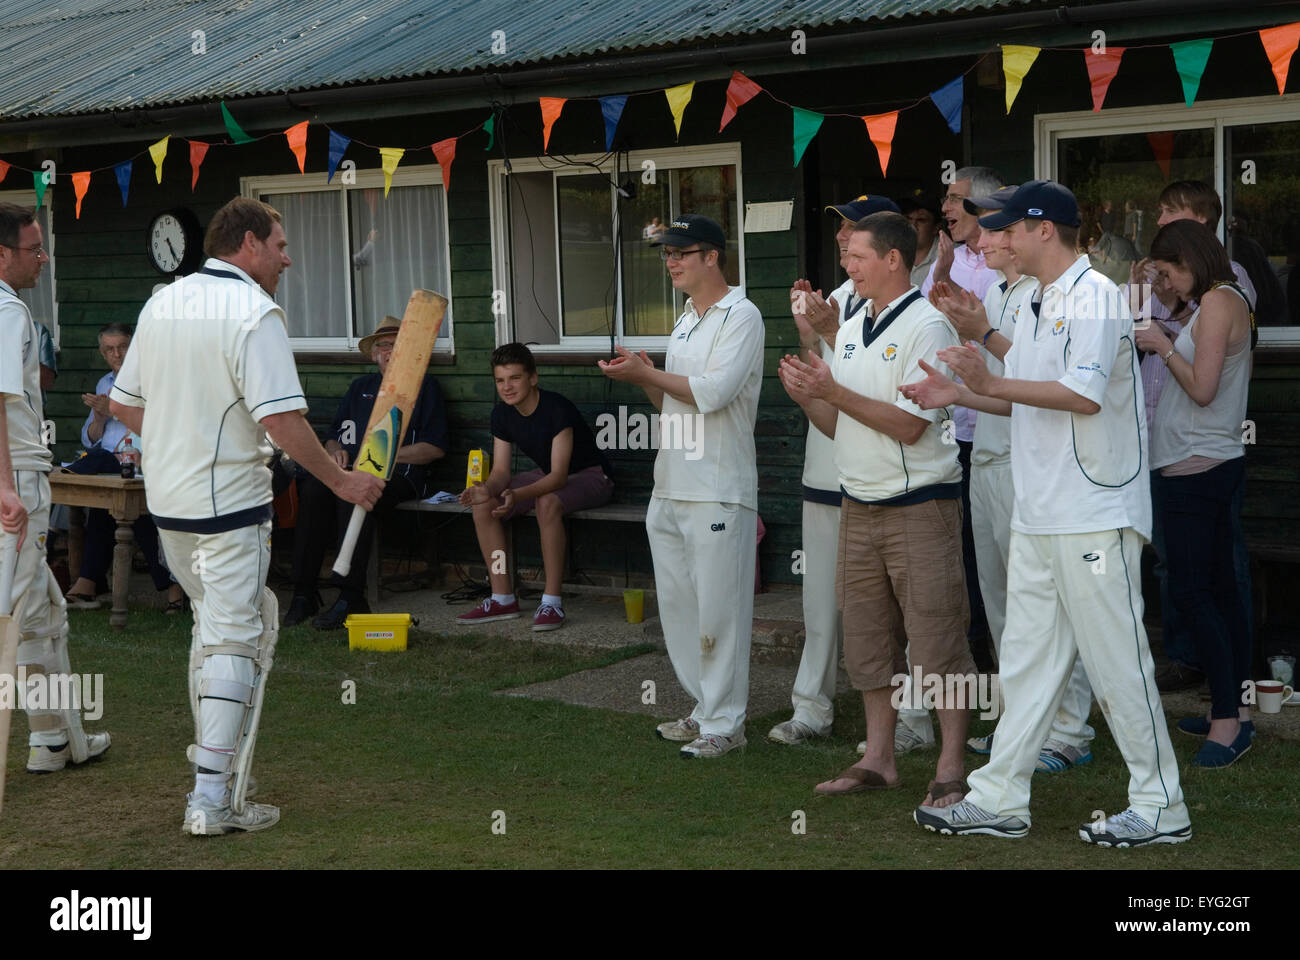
[806, 125]
[80, 184]
[1016, 61]
[123, 173]
[1190, 57]
[678, 98]
[4, 170]
[159, 153]
[948, 99]
[1280, 44]
[880, 128]
[611, 108]
[297, 137]
[1102, 68]
[338, 146]
[490, 125]
[235, 130]
[39, 185]
[740, 91]
[1162, 145]
[390, 157]
[445, 151]
[198, 150]
[551, 109]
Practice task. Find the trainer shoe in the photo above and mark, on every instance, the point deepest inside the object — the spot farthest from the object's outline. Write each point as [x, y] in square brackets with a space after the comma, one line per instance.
[980, 745]
[1127, 829]
[792, 732]
[547, 618]
[710, 745]
[906, 740]
[203, 818]
[965, 817]
[1057, 757]
[683, 731]
[45, 760]
[490, 611]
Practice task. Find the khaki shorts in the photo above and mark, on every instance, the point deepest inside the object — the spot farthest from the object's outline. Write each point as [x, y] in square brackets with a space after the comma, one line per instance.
[899, 579]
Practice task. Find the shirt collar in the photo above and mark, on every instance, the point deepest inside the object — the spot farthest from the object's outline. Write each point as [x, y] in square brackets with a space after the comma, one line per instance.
[1071, 275]
[216, 263]
[974, 259]
[877, 310]
[8, 289]
[734, 295]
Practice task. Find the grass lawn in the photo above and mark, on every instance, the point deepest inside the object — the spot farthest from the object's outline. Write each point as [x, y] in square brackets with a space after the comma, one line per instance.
[411, 774]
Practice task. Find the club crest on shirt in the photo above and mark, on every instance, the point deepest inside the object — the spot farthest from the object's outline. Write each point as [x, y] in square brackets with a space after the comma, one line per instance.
[848, 351]
[890, 352]
[1058, 327]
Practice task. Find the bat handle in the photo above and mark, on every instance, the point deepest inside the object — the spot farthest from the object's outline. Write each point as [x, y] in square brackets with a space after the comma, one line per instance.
[8, 567]
[343, 562]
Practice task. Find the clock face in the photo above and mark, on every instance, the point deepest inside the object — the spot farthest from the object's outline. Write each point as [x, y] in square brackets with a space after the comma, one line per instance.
[169, 243]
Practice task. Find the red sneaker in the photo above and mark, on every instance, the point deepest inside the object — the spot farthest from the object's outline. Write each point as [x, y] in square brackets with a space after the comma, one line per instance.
[548, 618]
[490, 611]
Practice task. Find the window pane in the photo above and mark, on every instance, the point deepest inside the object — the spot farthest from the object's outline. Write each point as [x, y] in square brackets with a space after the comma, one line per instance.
[1264, 215]
[530, 202]
[586, 255]
[312, 291]
[1117, 180]
[398, 245]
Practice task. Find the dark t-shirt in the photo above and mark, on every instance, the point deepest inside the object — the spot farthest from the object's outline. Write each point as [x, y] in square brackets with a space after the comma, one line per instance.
[427, 424]
[535, 432]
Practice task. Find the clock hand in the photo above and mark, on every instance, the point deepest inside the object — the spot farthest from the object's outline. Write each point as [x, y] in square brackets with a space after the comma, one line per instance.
[171, 248]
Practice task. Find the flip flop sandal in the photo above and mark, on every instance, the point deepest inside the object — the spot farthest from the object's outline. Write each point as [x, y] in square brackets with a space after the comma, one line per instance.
[82, 601]
[939, 789]
[862, 780]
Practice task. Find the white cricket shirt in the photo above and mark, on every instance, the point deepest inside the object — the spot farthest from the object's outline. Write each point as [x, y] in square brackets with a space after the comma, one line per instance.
[821, 478]
[209, 359]
[1004, 304]
[20, 382]
[1076, 473]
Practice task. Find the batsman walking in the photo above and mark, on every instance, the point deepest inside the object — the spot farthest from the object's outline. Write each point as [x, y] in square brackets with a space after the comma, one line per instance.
[206, 391]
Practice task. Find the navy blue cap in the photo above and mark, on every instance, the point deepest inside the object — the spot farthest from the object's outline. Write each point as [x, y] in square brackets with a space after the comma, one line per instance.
[1037, 199]
[994, 201]
[864, 206]
[687, 228]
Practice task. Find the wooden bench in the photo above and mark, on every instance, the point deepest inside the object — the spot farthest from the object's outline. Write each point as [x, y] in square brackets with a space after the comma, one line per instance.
[1268, 551]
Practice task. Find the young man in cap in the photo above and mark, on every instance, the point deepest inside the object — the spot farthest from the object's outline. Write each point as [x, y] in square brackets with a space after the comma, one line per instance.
[899, 576]
[703, 521]
[323, 516]
[1082, 512]
[818, 321]
[923, 214]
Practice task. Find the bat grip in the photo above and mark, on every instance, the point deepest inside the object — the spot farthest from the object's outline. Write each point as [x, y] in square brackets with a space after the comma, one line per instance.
[343, 562]
[8, 567]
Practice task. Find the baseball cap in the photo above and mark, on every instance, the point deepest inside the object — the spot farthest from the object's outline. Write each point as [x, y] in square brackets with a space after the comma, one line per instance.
[1040, 199]
[994, 201]
[687, 228]
[864, 206]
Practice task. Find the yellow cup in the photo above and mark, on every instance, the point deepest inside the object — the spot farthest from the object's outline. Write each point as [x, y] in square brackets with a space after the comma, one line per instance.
[634, 603]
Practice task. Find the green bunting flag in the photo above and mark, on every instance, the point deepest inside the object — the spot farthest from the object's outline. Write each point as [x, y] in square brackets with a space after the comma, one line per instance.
[235, 130]
[806, 125]
[38, 181]
[1190, 58]
[490, 125]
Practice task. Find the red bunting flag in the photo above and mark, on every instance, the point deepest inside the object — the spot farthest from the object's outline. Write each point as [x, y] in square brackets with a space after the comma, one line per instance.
[1102, 68]
[80, 184]
[740, 91]
[1162, 145]
[297, 137]
[4, 170]
[445, 151]
[198, 150]
[880, 128]
[1280, 43]
[551, 108]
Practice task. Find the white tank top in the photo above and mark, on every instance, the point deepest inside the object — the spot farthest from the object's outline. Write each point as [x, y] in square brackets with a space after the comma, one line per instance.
[1183, 428]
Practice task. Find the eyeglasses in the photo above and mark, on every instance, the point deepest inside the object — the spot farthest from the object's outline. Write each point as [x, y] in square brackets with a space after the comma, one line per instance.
[38, 249]
[675, 255]
[954, 198]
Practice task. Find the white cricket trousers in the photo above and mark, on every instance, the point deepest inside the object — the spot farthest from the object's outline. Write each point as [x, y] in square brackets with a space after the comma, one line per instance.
[1059, 609]
[814, 685]
[704, 583]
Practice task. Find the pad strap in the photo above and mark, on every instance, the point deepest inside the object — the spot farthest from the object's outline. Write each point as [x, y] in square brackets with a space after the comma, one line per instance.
[230, 650]
[220, 762]
[226, 690]
[46, 722]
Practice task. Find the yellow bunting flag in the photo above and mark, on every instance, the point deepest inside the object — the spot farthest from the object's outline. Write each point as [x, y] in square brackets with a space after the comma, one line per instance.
[1016, 61]
[80, 184]
[159, 153]
[880, 128]
[551, 108]
[678, 98]
[390, 156]
[297, 137]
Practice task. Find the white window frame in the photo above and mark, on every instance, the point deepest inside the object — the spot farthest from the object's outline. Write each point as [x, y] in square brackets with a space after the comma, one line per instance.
[667, 158]
[1050, 128]
[420, 175]
[27, 198]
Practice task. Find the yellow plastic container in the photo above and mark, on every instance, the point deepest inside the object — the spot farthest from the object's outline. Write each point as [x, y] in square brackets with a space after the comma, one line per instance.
[478, 468]
[377, 631]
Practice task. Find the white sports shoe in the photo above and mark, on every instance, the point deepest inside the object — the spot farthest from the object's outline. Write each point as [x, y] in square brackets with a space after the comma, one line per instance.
[683, 731]
[905, 741]
[792, 732]
[203, 818]
[45, 760]
[711, 745]
[1127, 829]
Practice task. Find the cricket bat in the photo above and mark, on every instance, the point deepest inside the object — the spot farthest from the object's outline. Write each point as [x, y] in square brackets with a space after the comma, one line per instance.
[9, 636]
[393, 403]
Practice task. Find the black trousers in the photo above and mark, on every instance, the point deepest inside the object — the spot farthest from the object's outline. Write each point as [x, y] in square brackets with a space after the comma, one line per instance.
[101, 537]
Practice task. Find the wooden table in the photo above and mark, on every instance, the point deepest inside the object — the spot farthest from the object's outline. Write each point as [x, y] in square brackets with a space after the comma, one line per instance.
[124, 500]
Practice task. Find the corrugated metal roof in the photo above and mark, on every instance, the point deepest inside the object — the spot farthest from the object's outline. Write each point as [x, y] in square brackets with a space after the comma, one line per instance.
[89, 56]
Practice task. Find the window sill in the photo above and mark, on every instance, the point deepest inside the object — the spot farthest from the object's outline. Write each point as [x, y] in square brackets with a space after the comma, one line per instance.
[577, 358]
[440, 358]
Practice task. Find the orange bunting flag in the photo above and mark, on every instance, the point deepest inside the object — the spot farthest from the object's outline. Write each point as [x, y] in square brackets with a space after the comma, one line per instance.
[551, 108]
[678, 98]
[1102, 68]
[1280, 43]
[880, 128]
[198, 150]
[80, 184]
[445, 151]
[4, 170]
[297, 137]
[740, 91]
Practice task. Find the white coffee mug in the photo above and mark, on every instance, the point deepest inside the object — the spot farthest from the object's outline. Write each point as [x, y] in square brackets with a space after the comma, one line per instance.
[1270, 694]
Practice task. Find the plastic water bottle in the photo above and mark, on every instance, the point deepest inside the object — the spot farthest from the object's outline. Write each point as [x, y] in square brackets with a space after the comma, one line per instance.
[128, 458]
